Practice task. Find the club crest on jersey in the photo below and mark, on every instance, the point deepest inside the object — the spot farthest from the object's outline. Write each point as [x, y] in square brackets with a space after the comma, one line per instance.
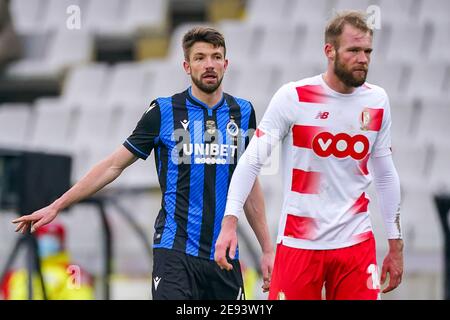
[210, 126]
[232, 128]
[365, 119]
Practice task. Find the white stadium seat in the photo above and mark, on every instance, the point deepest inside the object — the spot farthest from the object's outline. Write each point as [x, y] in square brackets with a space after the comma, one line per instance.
[27, 14]
[85, 84]
[267, 11]
[52, 129]
[126, 86]
[15, 119]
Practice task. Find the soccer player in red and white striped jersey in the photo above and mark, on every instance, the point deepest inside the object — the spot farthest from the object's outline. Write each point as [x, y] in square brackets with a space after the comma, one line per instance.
[330, 126]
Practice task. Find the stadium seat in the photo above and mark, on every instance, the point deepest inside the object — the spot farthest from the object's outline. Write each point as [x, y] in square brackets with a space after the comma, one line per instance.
[85, 85]
[394, 84]
[405, 114]
[279, 43]
[434, 11]
[439, 50]
[439, 177]
[105, 17]
[51, 129]
[429, 80]
[27, 15]
[127, 121]
[64, 49]
[267, 11]
[407, 42]
[350, 5]
[127, 85]
[93, 127]
[146, 15]
[306, 11]
[253, 80]
[311, 49]
[15, 119]
[70, 48]
[412, 163]
[241, 40]
[297, 71]
[166, 78]
[433, 123]
[56, 15]
[420, 221]
[399, 11]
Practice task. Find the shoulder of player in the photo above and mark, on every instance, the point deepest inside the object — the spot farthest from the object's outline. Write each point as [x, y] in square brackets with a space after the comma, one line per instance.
[291, 87]
[153, 107]
[243, 103]
[375, 89]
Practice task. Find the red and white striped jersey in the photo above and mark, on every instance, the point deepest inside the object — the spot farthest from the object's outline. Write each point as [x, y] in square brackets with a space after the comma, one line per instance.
[327, 138]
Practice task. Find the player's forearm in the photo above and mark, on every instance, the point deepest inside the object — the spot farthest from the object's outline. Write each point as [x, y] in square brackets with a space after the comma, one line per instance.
[387, 184]
[98, 177]
[255, 212]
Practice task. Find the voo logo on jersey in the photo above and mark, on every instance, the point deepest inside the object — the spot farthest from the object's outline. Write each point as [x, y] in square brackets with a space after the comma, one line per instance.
[341, 145]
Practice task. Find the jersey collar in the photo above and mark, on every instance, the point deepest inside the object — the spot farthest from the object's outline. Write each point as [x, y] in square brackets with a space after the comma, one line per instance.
[201, 103]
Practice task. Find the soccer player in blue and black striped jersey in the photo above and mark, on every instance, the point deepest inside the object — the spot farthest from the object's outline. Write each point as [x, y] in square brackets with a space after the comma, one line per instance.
[197, 137]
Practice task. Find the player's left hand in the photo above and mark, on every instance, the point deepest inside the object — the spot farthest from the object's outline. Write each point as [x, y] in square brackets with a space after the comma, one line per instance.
[227, 239]
[393, 265]
[266, 268]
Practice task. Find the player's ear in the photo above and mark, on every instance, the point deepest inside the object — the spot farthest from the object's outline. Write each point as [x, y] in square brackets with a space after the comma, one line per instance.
[187, 67]
[330, 51]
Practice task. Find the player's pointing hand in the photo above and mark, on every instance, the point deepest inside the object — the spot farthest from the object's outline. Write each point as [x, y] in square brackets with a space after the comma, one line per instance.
[36, 219]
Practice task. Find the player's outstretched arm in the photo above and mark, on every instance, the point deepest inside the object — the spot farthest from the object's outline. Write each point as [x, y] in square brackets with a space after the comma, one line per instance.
[99, 176]
[255, 212]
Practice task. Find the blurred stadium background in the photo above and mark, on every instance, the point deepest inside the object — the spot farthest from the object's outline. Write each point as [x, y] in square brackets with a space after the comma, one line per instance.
[81, 91]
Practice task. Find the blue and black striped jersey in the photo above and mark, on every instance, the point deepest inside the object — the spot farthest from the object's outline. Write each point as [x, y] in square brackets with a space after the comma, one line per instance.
[196, 151]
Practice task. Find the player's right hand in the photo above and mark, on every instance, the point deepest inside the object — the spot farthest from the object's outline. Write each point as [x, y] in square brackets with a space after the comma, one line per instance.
[227, 240]
[36, 219]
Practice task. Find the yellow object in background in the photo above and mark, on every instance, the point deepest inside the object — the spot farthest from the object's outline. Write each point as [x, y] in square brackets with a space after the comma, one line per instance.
[251, 279]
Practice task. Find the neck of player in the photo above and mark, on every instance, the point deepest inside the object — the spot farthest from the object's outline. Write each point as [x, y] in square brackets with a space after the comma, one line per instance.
[210, 99]
[336, 84]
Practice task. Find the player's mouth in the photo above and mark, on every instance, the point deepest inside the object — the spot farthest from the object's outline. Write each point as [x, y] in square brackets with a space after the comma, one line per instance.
[360, 70]
[209, 76]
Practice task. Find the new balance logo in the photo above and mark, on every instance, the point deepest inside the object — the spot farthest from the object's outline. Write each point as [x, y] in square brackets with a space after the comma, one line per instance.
[185, 124]
[156, 281]
[322, 115]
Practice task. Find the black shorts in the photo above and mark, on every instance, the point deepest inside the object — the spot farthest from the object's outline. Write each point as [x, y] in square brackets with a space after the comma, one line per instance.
[179, 276]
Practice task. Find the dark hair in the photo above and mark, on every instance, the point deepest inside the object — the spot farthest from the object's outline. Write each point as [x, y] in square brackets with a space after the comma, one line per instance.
[335, 27]
[202, 34]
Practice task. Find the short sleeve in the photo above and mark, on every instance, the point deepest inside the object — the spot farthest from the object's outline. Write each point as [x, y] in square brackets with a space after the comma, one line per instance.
[146, 134]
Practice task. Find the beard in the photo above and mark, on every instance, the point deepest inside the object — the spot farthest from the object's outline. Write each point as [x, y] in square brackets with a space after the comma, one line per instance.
[346, 76]
[205, 87]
